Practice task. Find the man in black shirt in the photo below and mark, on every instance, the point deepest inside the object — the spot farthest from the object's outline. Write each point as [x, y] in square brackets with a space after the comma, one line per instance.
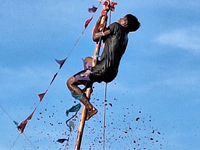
[106, 69]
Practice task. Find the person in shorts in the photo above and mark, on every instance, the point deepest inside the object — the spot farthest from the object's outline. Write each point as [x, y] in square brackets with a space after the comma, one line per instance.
[115, 37]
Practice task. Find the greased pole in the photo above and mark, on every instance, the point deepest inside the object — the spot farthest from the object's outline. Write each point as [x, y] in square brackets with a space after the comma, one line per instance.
[106, 8]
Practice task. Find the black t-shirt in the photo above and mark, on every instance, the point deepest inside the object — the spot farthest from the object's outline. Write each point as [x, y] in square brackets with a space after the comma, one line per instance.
[115, 46]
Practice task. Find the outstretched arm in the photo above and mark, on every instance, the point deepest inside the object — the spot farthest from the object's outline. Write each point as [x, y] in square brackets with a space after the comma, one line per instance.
[96, 34]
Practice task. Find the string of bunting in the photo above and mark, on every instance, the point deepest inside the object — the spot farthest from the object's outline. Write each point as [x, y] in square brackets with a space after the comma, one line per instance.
[23, 124]
[70, 124]
[16, 123]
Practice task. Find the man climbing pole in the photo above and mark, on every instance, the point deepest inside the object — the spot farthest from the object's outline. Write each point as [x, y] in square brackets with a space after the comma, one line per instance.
[115, 37]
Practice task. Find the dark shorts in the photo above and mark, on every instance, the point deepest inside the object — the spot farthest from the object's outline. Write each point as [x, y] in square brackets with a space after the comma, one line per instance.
[97, 75]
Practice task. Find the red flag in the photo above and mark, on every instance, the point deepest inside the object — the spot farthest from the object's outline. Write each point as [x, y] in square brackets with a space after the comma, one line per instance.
[41, 96]
[22, 126]
[31, 115]
[88, 21]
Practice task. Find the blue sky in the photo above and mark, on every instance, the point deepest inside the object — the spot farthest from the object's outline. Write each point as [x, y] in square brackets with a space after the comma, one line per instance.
[154, 101]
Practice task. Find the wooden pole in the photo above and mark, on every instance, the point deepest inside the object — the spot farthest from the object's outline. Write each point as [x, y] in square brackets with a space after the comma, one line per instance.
[89, 90]
[81, 125]
[88, 93]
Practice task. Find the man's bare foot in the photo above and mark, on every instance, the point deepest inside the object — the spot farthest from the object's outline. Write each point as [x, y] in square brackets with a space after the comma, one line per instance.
[90, 113]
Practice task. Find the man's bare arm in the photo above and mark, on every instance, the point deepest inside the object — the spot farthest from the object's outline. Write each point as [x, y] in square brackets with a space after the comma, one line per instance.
[96, 34]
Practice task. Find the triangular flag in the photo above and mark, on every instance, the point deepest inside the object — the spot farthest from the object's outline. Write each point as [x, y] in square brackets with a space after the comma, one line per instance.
[92, 10]
[41, 96]
[61, 140]
[53, 78]
[16, 123]
[61, 62]
[88, 21]
[31, 115]
[22, 126]
[75, 108]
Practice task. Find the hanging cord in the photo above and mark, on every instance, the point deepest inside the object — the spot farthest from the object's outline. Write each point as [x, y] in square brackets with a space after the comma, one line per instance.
[6, 113]
[104, 117]
[14, 142]
[105, 104]
[30, 141]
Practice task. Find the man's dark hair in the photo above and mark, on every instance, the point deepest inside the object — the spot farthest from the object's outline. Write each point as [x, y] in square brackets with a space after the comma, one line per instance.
[133, 23]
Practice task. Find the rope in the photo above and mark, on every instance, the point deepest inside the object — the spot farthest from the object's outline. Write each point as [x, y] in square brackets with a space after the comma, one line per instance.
[30, 141]
[6, 113]
[105, 101]
[76, 43]
[15, 142]
[79, 36]
[104, 117]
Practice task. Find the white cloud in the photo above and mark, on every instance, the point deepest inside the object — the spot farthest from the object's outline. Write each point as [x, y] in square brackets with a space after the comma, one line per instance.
[188, 38]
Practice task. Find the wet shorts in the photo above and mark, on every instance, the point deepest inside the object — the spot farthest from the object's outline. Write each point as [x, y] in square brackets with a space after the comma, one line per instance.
[96, 75]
